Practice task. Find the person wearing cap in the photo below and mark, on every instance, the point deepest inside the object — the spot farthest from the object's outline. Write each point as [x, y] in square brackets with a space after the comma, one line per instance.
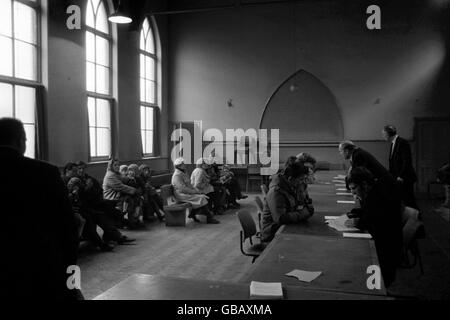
[281, 205]
[186, 193]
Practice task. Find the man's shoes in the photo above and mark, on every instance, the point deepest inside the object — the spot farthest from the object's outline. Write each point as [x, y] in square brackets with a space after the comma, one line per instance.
[212, 221]
[125, 240]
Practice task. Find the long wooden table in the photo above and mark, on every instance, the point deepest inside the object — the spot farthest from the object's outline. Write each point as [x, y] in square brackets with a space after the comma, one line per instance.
[313, 246]
[147, 287]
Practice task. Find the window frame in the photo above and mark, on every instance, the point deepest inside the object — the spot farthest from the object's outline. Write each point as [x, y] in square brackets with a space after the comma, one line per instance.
[35, 84]
[144, 104]
[95, 95]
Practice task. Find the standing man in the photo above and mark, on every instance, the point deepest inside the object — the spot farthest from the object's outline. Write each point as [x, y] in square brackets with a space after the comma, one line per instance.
[38, 224]
[400, 165]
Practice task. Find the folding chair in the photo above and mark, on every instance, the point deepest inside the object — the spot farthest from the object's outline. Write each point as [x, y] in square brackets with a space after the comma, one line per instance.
[248, 232]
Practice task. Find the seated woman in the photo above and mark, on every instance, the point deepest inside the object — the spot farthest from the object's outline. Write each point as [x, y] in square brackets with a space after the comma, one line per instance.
[153, 202]
[186, 193]
[281, 203]
[233, 189]
[380, 215]
[200, 180]
[114, 189]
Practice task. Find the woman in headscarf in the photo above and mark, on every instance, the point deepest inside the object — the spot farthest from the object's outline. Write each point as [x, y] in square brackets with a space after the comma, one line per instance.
[184, 192]
[115, 190]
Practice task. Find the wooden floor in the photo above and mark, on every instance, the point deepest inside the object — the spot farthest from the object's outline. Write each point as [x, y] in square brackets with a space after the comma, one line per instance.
[211, 252]
[199, 251]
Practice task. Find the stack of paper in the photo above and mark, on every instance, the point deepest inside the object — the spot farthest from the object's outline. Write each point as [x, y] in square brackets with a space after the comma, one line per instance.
[305, 276]
[339, 224]
[358, 235]
[266, 291]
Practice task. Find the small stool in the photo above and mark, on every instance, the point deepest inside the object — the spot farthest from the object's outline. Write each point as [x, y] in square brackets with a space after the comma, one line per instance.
[176, 214]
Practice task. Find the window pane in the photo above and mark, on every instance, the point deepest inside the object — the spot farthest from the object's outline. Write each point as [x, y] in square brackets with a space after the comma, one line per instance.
[149, 118]
[92, 141]
[90, 20]
[103, 113]
[142, 66]
[149, 68]
[143, 118]
[25, 61]
[102, 52]
[102, 80]
[102, 19]
[103, 142]
[5, 18]
[143, 90]
[144, 144]
[142, 41]
[6, 101]
[149, 142]
[6, 60]
[150, 91]
[90, 77]
[31, 141]
[25, 23]
[150, 43]
[26, 104]
[91, 112]
[90, 47]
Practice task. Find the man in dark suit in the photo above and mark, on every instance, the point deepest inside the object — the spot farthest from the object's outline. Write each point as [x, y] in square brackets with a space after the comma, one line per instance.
[400, 165]
[37, 221]
[380, 215]
[359, 157]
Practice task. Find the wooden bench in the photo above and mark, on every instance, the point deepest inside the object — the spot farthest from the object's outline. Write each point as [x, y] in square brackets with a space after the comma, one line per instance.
[176, 212]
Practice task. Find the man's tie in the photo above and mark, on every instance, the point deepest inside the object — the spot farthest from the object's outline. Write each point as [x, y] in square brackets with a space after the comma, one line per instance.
[392, 151]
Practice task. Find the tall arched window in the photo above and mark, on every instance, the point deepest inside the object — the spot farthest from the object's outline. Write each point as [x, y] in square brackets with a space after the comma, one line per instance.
[149, 89]
[19, 65]
[98, 81]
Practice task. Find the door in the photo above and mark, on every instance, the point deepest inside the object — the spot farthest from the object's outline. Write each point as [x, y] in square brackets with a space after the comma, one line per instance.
[432, 148]
[191, 145]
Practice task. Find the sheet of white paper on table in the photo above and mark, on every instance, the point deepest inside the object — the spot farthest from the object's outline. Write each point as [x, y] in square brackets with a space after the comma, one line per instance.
[331, 217]
[346, 202]
[268, 290]
[358, 235]
[304, 276]
[339, 224]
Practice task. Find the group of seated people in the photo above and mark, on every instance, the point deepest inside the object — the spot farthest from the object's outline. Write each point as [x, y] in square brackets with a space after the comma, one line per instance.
[379, 212]
[210, 190]
[124, 200]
